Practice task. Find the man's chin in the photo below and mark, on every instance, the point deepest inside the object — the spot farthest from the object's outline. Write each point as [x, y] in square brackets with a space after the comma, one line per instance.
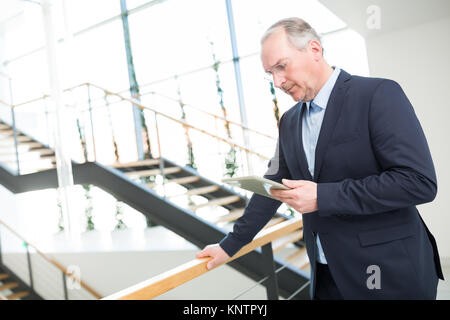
[296, 96]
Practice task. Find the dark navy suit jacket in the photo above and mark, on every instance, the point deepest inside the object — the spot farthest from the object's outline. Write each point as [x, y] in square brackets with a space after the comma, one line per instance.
[372, 166]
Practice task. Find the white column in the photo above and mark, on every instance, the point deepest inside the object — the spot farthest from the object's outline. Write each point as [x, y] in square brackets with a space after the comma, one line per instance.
[62, 122]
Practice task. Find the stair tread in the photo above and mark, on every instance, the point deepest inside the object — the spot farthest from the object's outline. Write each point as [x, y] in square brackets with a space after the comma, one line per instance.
[217, 202]
[197, 191]
[145, 162]
[9, 285]
[4, 276]
[231, 216]
[30, 144]
[299, 259]
[18, 295]
[181, 180]
[152, 172]
[274, 221]
[10, 139]
[282, 242]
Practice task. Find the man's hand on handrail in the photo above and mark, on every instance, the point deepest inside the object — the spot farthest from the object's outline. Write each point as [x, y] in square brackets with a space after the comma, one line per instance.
[215, 251]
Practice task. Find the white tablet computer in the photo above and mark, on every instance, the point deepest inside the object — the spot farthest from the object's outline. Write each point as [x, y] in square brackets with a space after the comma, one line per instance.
[255, 184]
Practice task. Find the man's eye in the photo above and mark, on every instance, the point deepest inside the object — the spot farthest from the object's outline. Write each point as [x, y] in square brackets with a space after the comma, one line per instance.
[281, 67]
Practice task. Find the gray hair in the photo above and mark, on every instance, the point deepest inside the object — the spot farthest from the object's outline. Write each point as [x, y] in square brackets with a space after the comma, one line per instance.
[298, 31]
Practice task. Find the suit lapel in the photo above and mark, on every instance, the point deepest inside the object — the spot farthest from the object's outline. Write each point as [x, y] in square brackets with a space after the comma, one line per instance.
[331, 116]
[300, 156]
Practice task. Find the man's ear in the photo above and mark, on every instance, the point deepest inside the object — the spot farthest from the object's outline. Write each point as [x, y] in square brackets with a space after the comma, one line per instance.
[316, 49]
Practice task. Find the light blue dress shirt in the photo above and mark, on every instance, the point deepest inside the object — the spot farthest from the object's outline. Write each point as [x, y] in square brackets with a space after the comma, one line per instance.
[311, 124]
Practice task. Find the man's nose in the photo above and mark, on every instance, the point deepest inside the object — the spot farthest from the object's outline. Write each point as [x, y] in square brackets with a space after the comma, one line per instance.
[278, 80]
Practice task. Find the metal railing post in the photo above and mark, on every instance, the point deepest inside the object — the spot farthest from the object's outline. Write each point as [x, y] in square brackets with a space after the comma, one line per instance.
[271, 283]
[29, 266]
[16, 147]
[92, 123]
[49, 135]
[161, 160]
[66, 295]
[1, 254]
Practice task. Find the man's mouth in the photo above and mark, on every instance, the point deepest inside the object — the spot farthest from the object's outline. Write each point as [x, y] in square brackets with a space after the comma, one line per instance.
[289, 90]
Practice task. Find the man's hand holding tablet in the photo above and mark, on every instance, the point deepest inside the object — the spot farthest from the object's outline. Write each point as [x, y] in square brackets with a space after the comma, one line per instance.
[301, 195]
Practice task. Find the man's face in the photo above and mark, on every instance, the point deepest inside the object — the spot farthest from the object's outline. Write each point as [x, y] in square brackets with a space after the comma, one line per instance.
[294, 71]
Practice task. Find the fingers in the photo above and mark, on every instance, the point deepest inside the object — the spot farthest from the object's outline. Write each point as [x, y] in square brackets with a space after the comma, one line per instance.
[218, 255]
[204, 253]
[283, 195]
[293, 183]
[211, 264]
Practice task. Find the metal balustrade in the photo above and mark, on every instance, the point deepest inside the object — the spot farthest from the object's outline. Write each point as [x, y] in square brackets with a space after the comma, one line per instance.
[44, 277]
[156, 286]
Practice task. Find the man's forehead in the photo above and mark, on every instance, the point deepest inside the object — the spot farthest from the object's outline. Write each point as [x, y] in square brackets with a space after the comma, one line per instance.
[273, 49]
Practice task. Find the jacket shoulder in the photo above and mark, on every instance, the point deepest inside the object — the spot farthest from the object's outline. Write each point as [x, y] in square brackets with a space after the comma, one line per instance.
[371, 83]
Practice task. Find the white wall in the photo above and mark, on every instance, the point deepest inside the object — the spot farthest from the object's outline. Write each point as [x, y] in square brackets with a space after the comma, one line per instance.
[417, 58]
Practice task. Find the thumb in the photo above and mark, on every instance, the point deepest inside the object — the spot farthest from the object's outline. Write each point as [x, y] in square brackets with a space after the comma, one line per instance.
[293, 183]
[211, 264]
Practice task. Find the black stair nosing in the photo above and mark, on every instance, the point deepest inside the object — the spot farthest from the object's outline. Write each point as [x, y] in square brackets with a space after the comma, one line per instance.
[33, 295]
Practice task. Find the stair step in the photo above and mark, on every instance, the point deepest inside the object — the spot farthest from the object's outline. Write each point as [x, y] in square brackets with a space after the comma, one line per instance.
[4, 126]
[43, 151]
[46, 168]
[152, 172]
[48, 157]
[282, 242]
[146, 162]
[274, 221]
[181, 180]
[299, 259]
[31, 144]
[217, 202]
[231, 216]
[10, 139]
[18, 295]
[198, 191]
[9, 285]
[3, 276]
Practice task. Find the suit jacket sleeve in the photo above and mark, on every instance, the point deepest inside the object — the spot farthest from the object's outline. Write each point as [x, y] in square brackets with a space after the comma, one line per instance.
[259, 210]
[407, 175]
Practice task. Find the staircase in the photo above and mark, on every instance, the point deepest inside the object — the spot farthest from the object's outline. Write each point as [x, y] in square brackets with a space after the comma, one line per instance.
[33, 155]
[177, 197]
[13, 288]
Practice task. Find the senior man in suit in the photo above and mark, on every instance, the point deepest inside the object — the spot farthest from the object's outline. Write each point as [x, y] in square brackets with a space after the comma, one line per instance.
[358, 163]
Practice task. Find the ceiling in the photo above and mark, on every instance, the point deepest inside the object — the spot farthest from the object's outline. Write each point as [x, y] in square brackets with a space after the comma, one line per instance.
[394, 14]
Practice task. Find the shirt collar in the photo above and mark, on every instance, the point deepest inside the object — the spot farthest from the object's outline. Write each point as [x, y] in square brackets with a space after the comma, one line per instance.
[322, 97]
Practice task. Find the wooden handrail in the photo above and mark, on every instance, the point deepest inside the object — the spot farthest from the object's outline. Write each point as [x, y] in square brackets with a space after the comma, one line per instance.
[53, 262]
[173, 278]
